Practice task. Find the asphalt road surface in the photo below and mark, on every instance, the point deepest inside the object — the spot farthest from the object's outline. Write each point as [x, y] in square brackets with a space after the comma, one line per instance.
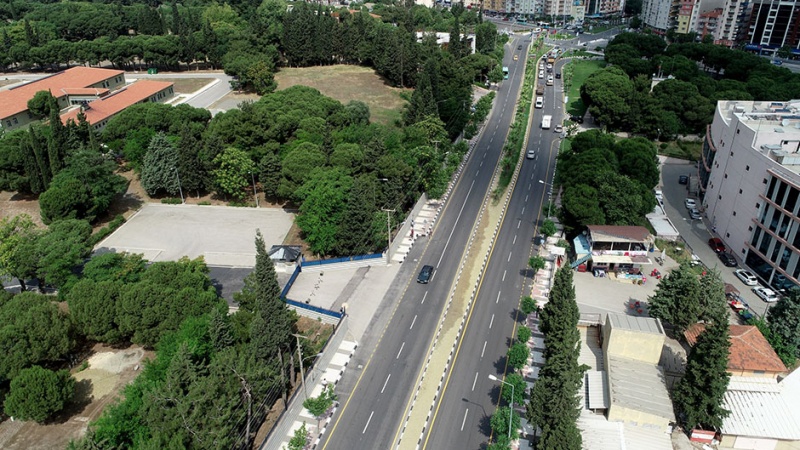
[374, 408]
[469, 398]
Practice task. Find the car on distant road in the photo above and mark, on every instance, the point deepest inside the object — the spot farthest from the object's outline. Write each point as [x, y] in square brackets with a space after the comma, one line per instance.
[549, 66]
[694, 214]
[516, 57]
[716, 245]
[558, 129]
[519, 47]
[746, 276]
[727, 259]
[425, 274]
[689, 203]
[683, 179]
[531, 154]
[768, 295]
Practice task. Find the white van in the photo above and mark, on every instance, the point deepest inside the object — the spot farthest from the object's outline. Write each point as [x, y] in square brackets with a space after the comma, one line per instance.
[539, 102]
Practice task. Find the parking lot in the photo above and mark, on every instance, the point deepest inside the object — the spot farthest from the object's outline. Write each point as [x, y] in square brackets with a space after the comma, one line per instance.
[222, 235]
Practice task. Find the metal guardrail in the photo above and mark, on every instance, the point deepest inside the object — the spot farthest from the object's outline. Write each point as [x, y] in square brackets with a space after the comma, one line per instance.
[322, 262]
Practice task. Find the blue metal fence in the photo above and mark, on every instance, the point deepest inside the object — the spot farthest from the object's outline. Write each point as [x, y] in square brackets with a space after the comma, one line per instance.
[291, 281]
[341, 260]
[316, 309]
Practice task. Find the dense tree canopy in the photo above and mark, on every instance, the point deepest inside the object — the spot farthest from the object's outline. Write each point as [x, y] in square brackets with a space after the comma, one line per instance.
[37, 393]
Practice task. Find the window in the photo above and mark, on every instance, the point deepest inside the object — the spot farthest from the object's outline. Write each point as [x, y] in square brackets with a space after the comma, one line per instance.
[16, 121]
[726, 176]
[720, 197]
[765, 243]
[750, 228]
[737, 131]
[8, 123]
[791, 200]
[747, 168]
[734, 213]
[727, 235]
[764, 181]
[740, 191]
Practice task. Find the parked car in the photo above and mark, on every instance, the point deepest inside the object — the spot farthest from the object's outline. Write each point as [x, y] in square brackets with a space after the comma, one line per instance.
[578, 119]
[694, 214]
[727, 259]
[425, 274]
[768, 295]
[558, 129]
[716, 244]
[683, 179]
[558, 75]
[746, 276]
[690, 203]
[659, 195]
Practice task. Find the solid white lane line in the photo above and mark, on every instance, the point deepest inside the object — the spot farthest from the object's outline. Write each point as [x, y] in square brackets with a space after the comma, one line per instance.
[491, 322]
[498, 292]
[401, 350]
[465, 419]
[385, 383]
[484, 348]
[413, 322]
[474, 381]
[365, 426]
[423, 298]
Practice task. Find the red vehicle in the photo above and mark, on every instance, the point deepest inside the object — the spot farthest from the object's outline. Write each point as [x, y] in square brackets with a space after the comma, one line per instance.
[716, 244]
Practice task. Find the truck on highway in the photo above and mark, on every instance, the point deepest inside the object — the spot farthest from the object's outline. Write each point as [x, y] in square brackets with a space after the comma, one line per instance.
[546, 122]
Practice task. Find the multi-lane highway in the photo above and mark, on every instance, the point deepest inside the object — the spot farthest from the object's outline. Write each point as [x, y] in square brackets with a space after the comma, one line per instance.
[461, 418]
[374, 405]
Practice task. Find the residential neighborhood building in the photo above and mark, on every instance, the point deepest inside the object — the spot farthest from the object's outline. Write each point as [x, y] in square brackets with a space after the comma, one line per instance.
[708, 23]
[681, 15]
[750, 183]
[774, 24]
[656, 15]
[750, 355]
[70, 87]
[613, 247]
[100, 111]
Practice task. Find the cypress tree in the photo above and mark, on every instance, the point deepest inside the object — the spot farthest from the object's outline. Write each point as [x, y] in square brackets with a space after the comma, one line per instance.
[272, 325]
[698, 396]
[57, 140]
[41, 160]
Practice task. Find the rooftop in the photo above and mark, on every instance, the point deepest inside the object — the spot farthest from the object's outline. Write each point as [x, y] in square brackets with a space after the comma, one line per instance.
[749, 349]
[635, 323]
[15, 100]
[763, 409]
[640, 386]
[618, 233]
[106, 107]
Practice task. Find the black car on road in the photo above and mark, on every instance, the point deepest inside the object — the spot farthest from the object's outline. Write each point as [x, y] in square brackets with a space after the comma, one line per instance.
[727, 259]
[425, 274]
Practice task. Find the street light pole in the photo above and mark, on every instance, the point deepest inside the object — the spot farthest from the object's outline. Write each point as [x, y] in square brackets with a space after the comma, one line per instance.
[549, 197]
[300, 357]
[179, 185]
[388, 235]
[255, 192]
[511, 408]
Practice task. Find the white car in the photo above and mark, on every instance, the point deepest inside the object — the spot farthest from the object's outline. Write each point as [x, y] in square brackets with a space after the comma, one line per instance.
[549, 66]
[694, 214]
[768, 295]
[659, 195]
[747, 277]
[531, 154]
[690, 203]
[541, 74]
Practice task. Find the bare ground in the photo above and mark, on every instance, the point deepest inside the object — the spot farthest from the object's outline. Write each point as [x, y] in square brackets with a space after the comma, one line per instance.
[345, 83]
[110, 370]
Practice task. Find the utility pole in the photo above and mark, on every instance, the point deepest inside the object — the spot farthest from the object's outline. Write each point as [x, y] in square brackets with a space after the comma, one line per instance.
[300, 357]
[388, 235]
[255, 192]
[179, 185]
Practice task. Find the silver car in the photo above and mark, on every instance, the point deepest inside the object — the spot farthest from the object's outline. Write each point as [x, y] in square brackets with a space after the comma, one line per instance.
[768, 295]
[746, 276]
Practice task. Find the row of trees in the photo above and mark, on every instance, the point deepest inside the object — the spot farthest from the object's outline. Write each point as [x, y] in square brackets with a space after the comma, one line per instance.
[622, 96]
[683, 299]
[554, 405]
[606, 181]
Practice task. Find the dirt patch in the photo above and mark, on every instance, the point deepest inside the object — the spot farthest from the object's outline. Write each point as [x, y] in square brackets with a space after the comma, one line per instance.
[110, 370]
[232, 101]
[345, 83]
[13, 204]
[187, 85]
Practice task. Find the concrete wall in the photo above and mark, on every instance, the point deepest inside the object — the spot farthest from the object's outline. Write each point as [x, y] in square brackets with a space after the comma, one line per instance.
[634, 345]
[618, 413]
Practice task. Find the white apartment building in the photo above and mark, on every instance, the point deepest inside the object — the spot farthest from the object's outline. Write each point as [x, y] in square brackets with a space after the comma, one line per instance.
[750, 181]
[656, 14]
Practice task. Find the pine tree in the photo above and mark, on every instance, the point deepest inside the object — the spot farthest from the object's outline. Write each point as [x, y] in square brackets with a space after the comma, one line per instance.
[189, 167]
[677, 299]
[38, 146]
[698, 396]
[272, 324]
[160, 166]
[58, 139]
[423, 102]
[219, 330]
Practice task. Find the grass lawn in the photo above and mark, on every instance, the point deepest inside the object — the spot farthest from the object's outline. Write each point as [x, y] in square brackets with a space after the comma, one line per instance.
[690, 150]
[345, 83]
[187, 85]
[581, 70]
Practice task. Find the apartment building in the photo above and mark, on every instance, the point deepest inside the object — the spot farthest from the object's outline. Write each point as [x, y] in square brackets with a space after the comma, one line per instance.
[774, 24]
[750, 186]
[708, 23]
[656, 14]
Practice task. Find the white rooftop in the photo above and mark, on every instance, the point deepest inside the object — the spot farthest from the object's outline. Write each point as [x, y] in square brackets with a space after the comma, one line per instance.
[639, 385]
[763, 409]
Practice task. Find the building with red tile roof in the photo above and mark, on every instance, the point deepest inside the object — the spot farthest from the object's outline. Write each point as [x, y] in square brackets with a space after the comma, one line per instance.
[98, 112]
[71, 86]
[750, 353]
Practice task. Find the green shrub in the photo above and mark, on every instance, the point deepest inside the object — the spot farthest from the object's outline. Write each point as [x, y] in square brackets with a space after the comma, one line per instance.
[171, 201]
